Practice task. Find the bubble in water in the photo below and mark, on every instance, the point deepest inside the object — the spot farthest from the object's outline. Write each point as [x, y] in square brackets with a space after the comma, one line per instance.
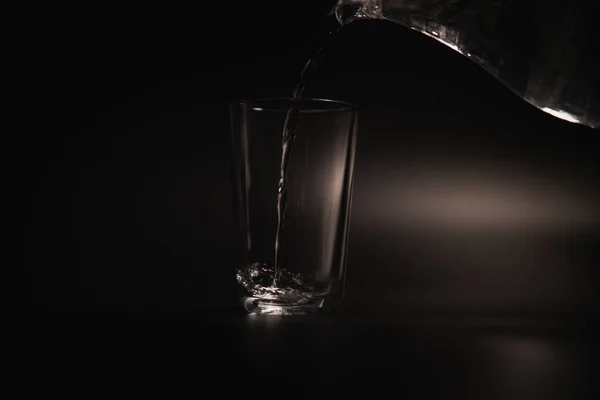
[257, 279]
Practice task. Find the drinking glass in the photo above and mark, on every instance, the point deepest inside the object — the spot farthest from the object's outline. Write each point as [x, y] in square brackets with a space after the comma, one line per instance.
[319, 178]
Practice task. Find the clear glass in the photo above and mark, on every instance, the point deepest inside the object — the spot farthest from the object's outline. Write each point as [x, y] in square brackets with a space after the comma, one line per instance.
[545, 52]
[314, 236]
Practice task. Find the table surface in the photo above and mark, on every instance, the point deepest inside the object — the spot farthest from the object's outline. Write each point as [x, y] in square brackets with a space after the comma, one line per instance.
[100, 355]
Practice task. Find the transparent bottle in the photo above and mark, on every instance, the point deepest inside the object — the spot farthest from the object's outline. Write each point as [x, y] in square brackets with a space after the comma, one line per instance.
[547, 54]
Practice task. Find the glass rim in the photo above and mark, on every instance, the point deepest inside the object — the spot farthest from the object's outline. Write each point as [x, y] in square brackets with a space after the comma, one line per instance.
[263, 104]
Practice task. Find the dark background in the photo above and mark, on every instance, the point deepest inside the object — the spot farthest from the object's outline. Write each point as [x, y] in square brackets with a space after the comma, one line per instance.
[466, 197]
[467, 200]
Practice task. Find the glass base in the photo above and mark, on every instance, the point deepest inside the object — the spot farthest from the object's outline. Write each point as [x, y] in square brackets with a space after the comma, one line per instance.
[257, 305]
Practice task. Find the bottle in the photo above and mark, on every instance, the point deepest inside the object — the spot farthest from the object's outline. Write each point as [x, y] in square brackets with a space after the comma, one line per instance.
[548, 55]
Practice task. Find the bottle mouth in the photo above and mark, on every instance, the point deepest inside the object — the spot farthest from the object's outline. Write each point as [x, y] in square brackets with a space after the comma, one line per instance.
[347, 11]
[282, 104]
